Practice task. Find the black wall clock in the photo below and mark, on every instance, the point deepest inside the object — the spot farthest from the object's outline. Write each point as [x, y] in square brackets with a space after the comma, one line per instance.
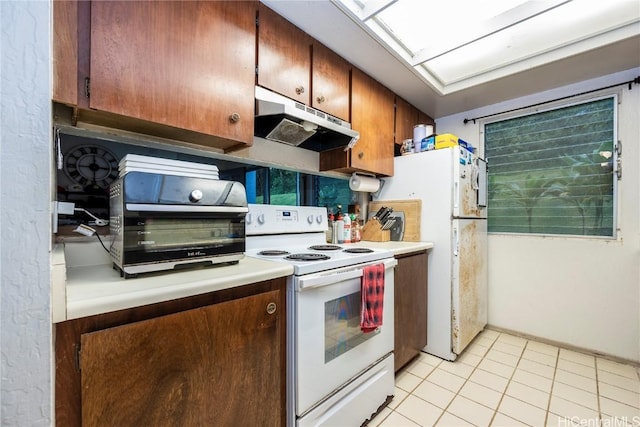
[91, 166]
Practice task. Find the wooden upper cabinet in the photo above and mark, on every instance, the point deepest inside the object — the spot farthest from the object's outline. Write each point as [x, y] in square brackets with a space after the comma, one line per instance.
[65, 52]
[372, 114]
[284, 56]
[330, 80]
[295, 65]
[407, 116]
[185, 64]
[426, 119]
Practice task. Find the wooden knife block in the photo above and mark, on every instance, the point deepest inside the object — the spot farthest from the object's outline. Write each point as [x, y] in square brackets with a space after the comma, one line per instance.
[373, 232]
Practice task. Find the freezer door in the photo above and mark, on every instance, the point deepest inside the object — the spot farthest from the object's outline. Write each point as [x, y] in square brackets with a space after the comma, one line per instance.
[469, 281]
[469, 185]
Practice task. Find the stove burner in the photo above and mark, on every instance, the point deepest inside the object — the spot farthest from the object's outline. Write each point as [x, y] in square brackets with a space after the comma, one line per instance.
[358, 250]
[307, 257]
[273, 252]
[325, 247]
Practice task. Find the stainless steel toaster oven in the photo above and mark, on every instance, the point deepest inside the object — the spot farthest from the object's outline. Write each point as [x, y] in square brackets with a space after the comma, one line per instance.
[162, 222]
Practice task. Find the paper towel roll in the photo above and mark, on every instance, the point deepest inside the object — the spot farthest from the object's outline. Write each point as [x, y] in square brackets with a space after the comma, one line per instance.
[364, 184]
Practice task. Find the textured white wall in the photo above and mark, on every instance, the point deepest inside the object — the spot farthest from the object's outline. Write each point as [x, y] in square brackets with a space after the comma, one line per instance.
[580, 291]
[25, 120]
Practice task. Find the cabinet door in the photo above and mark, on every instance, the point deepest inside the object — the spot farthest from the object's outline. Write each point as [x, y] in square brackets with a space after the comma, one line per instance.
[426, 119]
[330, 78]
[284, 56]
[186, 64]
[215, 365]
[406, 119]
[372, 114]
[410, 314]
[65, 52]
[407, 116]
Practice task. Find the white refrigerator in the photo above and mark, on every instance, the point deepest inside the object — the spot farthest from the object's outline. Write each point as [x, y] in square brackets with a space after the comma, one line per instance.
[452, 185]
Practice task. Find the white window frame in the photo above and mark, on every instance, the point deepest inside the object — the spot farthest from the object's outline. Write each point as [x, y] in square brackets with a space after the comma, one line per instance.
[579, 99]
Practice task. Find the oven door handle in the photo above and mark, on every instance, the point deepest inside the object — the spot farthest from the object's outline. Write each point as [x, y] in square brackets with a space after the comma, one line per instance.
[329, 279]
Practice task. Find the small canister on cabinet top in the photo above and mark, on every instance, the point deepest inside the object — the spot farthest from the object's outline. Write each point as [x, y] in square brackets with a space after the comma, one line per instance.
[420, 133]
[407, 147]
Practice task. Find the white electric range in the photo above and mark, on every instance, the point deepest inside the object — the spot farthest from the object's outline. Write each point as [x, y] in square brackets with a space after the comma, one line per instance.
[296, 234]
[336, 374]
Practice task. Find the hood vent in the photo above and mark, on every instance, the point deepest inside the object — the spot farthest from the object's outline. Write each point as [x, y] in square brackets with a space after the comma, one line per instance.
[284, 120]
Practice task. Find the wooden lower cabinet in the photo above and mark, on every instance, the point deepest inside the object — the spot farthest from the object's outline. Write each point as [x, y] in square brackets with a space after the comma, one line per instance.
[410, 307]
[215, 359]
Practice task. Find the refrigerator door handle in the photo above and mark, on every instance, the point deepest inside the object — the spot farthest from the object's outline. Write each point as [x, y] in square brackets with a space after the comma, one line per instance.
[456, 194]
[475, 177]
[482, 183]
[456, 243]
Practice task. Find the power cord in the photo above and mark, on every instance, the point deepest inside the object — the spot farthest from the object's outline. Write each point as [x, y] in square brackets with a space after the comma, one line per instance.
[88, 231]
[99, 222]
[100, 240]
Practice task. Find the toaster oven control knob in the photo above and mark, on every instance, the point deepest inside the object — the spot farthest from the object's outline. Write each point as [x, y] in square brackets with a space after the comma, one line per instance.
[195, 196]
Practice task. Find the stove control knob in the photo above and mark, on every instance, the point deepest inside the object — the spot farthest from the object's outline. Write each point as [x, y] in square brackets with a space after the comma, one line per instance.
[319, 219]
[261, 219]
[310, 219]
[195, 196]
[248, 218]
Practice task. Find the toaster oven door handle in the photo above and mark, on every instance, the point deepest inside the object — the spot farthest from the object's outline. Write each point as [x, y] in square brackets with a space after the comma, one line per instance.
[149, 207]
[225, 193]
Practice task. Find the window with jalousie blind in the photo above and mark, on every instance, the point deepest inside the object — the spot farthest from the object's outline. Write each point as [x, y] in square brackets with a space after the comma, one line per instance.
[552, 172]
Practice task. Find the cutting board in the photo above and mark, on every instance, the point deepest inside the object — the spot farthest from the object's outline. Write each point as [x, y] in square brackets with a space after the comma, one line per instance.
[412, 210]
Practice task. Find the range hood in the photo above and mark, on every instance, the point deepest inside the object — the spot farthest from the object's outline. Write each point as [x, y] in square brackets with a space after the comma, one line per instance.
[282, 119]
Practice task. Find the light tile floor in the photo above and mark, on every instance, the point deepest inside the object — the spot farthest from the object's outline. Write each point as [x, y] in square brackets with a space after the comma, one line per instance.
[504, 380]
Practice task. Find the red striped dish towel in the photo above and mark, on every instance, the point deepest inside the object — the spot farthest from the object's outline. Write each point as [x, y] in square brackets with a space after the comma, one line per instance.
[372, 297]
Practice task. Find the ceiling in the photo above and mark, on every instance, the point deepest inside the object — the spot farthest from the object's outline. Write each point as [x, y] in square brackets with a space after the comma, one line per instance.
[608, 44]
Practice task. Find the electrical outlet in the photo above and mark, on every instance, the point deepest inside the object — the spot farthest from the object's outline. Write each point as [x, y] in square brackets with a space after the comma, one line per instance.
[66, 208]
[60, 208]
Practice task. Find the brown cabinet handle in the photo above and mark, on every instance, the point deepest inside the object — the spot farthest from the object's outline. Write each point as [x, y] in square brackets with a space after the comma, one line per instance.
[360, 155]
[234, 118]
[271, 308]
[320, 99]
[300, 90]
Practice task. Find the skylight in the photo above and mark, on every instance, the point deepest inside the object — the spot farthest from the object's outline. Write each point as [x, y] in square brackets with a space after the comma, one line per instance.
[456, 44]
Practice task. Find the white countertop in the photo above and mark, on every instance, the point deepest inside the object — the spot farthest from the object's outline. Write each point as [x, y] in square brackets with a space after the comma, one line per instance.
[398, 248]
[84, 282]
[91, 289]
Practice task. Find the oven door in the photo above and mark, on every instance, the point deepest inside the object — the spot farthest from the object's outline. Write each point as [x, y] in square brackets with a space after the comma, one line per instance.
[330, 349]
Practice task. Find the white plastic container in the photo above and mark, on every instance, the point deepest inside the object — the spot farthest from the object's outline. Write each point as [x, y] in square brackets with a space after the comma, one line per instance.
[420, 133]
[347, 229]
[340, 230]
